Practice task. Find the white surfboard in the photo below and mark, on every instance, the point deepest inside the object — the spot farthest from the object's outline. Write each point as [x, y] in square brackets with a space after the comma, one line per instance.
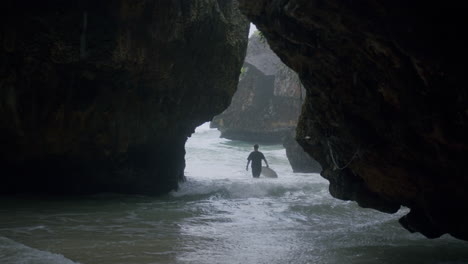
[268, 172]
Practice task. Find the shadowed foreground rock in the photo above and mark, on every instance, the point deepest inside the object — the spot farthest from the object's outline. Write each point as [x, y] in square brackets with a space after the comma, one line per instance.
[100, 96]
[386, 109]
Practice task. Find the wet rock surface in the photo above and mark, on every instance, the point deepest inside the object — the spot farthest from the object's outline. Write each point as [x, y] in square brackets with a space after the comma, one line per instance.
[300, 160]
[385, 113]
[101, 96]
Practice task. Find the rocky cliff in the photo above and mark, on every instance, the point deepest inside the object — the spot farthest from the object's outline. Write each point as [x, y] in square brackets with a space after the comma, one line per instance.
[100, 96]
[386, 112]
[268, 101]
[300, 160]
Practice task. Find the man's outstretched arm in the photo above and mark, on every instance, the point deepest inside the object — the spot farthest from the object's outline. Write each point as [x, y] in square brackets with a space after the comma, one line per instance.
[266, 162]
[247, 167]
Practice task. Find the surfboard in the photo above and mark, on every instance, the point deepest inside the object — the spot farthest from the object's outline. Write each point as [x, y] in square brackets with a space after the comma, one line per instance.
[268, 172]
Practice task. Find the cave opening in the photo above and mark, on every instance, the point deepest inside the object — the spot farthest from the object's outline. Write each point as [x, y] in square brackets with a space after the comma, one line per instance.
[97, 100]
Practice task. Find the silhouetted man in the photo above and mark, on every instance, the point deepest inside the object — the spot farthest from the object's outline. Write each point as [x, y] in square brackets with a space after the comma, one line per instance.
[256, 157]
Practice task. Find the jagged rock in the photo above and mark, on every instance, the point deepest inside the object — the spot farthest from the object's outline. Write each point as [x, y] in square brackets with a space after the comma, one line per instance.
[268, 100]
[260, 56]
[300, 161]
[385, 113]
[100, 96]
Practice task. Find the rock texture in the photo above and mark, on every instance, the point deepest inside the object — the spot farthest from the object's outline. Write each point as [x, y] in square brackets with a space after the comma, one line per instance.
[300, 160]
[268, 100]
[386, 110]
[100, 96]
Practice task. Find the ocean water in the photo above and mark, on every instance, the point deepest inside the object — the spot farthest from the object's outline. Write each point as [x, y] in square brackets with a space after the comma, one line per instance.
[220, 215]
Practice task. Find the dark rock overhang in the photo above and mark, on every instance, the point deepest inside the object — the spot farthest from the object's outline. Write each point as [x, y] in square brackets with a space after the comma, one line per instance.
[386, 112]
[100, 96]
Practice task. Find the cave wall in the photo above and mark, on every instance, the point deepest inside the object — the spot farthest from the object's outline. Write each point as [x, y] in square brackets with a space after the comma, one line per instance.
[100, 96]
[385, 113]
[268, 99]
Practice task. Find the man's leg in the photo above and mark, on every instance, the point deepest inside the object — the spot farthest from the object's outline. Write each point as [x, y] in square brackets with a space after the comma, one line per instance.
[256, 172]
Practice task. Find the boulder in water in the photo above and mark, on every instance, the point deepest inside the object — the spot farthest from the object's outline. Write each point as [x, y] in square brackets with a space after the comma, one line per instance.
[268, 100]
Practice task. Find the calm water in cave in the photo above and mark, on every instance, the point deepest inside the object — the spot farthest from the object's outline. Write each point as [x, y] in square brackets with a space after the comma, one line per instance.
[220, 215]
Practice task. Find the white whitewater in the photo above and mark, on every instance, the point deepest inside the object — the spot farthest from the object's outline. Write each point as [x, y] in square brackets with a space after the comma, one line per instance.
[220, 215]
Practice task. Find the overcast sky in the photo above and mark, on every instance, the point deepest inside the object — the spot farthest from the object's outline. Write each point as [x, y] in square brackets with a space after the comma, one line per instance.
[252, 29]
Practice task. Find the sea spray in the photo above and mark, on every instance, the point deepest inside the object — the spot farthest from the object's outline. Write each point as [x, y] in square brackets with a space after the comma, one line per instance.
[220, 215]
